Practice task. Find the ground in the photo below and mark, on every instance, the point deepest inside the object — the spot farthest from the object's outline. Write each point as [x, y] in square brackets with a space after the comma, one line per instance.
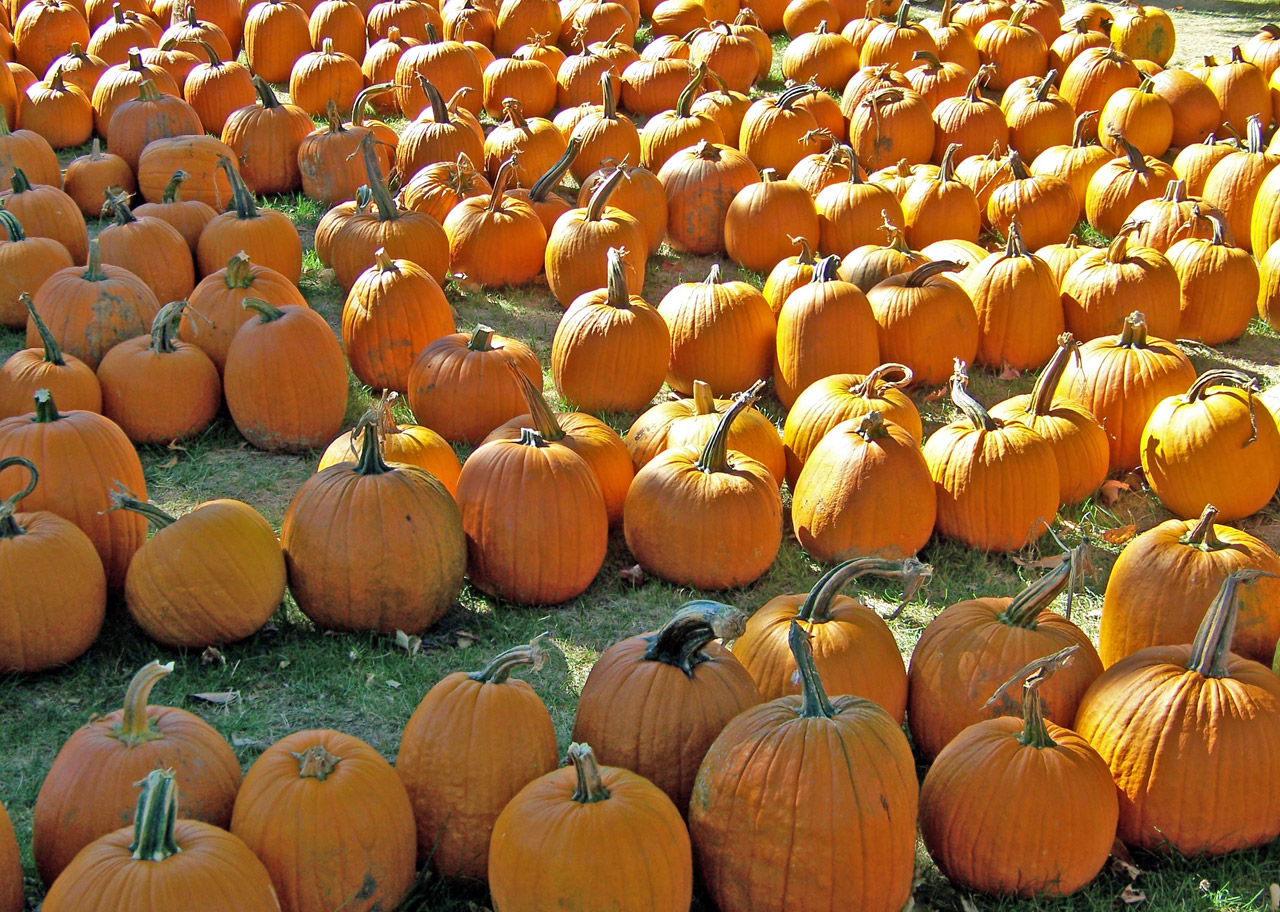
[290, 676]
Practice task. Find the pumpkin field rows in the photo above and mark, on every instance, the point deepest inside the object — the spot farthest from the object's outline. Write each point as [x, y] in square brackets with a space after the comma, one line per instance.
[362, 590]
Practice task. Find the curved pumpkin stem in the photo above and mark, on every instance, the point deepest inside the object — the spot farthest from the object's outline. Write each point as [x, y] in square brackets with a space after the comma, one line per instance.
[387, 209]
[871, 384]
[1212, 646]
[715, 455]
[266, 95]
[164, 328]
[543, 186]
[817, 604]
[697, 76]
[1080, 133]
[600, 196]
[925, 271]
[173, 189]
[590, 788]
[435, 101]
[540, 414]
[134, 726]
[681, 640]
[1222, 377]
[1041, 401]
[826, 270]
[1203, 536]
[1137, 161]
[241, 196]
[813, 697]
[1134, 332]
[9, 527]
[52, 351]
[501, 181]
[1039, 595]
[265, 309]
[124, 499]
[964, 401]
[155, 818]
[618, 295]
[1046, 85]
[805, 256]
[1034, 731]
[533, 654]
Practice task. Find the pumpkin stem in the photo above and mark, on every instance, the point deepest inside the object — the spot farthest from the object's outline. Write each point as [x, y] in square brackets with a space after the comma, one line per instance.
[315, 762]
[600, 196]
[590, 787]
[1014, 245]
[266, 94]
[155, 818]
[543, 186]
[715, 455]
[930, 59]
[826, 269]
[903, 12]
[387, 211]
[117, 203]
[1080, 133]
[1039, 595]
[540, 414]
[805, 256]
[370, 461]
[813, 697]
[9, 527]
[241, 195]
[18, 180]
[684, 103]
[1203, 534]
[134, 726]
[264, 309]
[619, 295]
[530, 437]
[926, 271]
[500, 183]
[818, 603]
[947, 170]
[533, 654]
[46, 408]
[1221, 377]
[1042, 91]
[124, 499]
[964, 401]
[173, 189]
[870, 385]
[787, 99]
[1212, 646]
[360, 107]
[1041, 402]
[704, 403]
[52, 352]
[514, 112]
[481, 339]
[164, 328]
[681, 640]
[435, 101]
[1137, 162]
[1034, 731]
[607, 101]
[1134, 333]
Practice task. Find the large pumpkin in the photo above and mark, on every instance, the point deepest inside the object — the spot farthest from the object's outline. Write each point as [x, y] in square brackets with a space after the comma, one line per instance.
[90, 788]
[926, 320]
[1018, 305]
[1105, 285]
[847, 756]
[1192, 736]
[473, 742]
[974, 646]
[339, 537]
[653, 703]
[332, 822]
[11, 899]
[161, 862]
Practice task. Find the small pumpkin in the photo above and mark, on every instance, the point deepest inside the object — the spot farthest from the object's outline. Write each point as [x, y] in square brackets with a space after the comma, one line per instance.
[45, 367]
[147, 247]
[411, 444]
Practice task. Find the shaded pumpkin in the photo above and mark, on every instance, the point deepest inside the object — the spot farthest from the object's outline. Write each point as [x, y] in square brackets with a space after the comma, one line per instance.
[26, 372]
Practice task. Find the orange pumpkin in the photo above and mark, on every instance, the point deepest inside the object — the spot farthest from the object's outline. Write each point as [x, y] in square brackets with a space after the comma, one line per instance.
[66, 377]
[1105, 283]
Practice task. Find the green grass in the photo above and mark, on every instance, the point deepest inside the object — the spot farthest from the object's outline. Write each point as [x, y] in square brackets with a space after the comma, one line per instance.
[290, 676]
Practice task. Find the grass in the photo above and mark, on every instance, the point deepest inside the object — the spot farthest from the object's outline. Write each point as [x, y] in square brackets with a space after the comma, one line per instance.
[290, 676]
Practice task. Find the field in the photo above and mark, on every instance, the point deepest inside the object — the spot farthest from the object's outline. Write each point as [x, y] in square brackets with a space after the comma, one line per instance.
[290, 676]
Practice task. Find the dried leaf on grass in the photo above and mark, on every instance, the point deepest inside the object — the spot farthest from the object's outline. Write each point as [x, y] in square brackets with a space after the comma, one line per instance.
[1119, 536]
[1112, 490]
[220, 698]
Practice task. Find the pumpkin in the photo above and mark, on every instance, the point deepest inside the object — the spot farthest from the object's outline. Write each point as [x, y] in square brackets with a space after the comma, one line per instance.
[1160, 222]
[1236, 181]
[1061, 257]
[1207, 715]
[942, 208]
[216, 89]
[610, 350]
[521, 18]
[577, 245]
[266, 235]
[997, 481]
[1121, 379]
[676, 681]
[436, 135]
[379, 64]
[969, 649]
[79, 68]
[1075, 163]
[983, 174]
[1196, 111]
[1141, 115]
[1121, 184]
[411, 17]
[45, 367]
[1095, 74]
[603, 134]
[790, 274]
[1018, 305]
[29, 152]
[972, 121]
[825, 327]
[218, 298]
[1017, 49]
[557, 546]
[1241, 90]
[711, 520]
[1104, 283]
[772, 127]
[319, 77]
[971, 796]
[423, 535]
[1045, 206]
[1219, 284]
[331, 821]
[700, 184]
[954, 39]
[721, 332]
[925, 320]
[472, 743]
[438, 188]
[342, 22]
[173, 59]
[773, 201]
[51, 570]
[393, 311]
[935, 79]
[1262, 49]
[1213, 444]
[108, 755]
[158, 389]
[149, 116]
[25, 263]
[1040, 120]
[285, 378]
[536, 139]
[478, 226]
[410, 444]
[869, 265]
[120, 83]
[59, 112]
[90, 176]
[199, 157]
[267, 139]
[147, 247]
[846, 755]
[215, 869]
[44, 29]
[186, 32]
[891, 124]
[458, 387]
[821, 56]
[553, 828]
[330, 168]
[1144, 32]
[642, 194]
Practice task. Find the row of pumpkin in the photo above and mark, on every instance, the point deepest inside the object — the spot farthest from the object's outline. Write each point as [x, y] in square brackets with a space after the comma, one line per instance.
[745, 744]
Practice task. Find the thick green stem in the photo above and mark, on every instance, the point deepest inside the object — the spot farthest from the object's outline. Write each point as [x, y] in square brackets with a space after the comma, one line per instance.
[1041, 94]
[134, 726]
[590, 787]
[9, 527]
[52, 352]
[18, 180]
[821, 598]
[46, 408]
[264, 309]
[173, 189]
[241, 195]
[481, 339]
[124, 499]
[533, 655]
[1220, 377]
[925, 271]
[1035, 733]
[681, 641]
[618, 295]
[1039, 595]
[370, 461]
[964, 401]
[715, 455]
[813, 697]
[697, 75]
[501, 181]
[164, 328]
[387, 210]
[600, 196]
[266, 94]
[155, 818]
[1212, 646]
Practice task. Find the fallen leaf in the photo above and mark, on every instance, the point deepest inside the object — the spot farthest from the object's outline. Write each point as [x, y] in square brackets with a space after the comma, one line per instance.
[285, 663]
[251, 743]
[169, 463]
[936, 394]
[1130, 896]
[1010, 372]
[1121, 535]
[220, 698]
[210, 655]
[410, 644]
[1126, 867]
[633, 575]
[1274, 904]
[174, 445]
[393, 684]
[1112, 490]
[466, 639]
[1043, 563]
[968, 904]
